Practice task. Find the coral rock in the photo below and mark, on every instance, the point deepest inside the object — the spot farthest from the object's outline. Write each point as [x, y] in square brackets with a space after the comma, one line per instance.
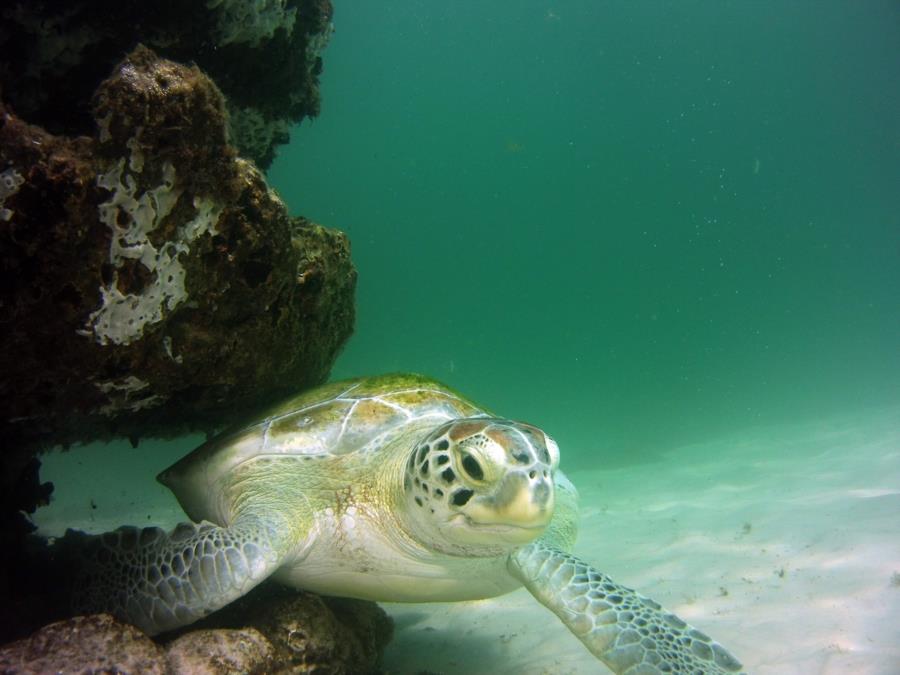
[271, 630]
[220, 652]
[84, 644]
[326, 636]
[152, 282]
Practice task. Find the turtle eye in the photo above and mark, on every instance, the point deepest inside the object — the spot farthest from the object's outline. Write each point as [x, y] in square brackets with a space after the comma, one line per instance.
[472, 467]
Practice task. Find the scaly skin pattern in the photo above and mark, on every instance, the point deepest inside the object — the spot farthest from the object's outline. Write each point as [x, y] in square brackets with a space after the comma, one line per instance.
[631, 634]
[161, 581]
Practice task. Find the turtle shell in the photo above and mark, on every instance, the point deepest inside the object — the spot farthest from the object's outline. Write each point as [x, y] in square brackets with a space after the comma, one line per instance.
[340, 418]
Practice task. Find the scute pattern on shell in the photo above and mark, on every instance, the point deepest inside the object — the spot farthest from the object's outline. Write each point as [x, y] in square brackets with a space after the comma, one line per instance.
[359, 417]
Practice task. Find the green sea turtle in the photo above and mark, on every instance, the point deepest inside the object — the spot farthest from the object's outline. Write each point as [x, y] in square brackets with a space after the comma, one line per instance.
[391, 488]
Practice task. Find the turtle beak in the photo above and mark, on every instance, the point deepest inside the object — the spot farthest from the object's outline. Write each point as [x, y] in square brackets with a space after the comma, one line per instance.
[522, 499]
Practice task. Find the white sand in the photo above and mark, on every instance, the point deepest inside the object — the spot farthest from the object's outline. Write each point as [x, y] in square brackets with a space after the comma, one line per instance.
[781, 543]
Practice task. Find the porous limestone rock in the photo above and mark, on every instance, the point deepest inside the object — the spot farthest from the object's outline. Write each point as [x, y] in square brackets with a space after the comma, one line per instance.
[153, 284]
[84, 644]
[273, 630]
[221, 651]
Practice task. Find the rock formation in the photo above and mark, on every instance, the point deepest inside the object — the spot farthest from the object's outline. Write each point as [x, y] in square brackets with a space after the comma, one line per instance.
[151, 282]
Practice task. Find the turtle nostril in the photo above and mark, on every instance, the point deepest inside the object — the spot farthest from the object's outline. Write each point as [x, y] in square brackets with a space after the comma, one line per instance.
[532, 474]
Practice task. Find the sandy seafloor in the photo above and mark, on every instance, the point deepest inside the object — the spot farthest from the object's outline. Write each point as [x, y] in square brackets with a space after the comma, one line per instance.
[782, 543]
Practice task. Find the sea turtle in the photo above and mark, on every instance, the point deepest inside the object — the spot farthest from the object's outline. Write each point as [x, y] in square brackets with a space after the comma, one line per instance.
[389, 488]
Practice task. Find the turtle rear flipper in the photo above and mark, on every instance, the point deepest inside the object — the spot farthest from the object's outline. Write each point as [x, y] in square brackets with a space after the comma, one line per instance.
[159, 581]
[625, 630]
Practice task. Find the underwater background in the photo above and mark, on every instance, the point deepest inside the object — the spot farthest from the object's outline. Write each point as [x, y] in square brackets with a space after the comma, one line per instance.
[636, 224]
[669, 234]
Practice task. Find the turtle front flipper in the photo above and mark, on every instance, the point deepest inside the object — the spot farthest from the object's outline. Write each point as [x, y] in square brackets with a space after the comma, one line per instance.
[630, 633]
[159, 581]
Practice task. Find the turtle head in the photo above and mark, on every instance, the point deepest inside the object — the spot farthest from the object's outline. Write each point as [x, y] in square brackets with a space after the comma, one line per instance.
[481, 483]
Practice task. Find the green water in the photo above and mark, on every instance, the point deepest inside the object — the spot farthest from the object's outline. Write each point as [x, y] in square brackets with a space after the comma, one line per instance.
[635, 224]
